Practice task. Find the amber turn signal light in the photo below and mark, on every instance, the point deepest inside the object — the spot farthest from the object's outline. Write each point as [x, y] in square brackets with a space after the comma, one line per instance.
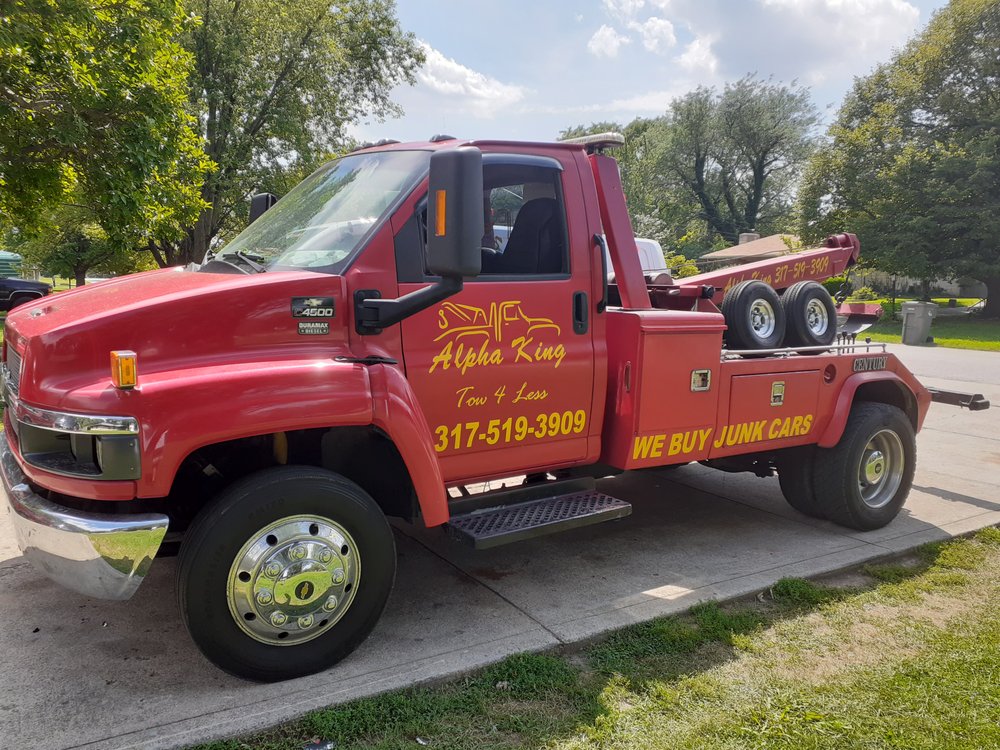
[124, 373]
[441, 212]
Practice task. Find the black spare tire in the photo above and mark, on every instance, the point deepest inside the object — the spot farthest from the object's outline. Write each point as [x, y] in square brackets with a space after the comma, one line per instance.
[754, 316]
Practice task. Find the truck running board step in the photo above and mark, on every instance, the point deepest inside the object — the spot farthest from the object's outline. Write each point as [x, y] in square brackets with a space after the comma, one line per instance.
[512, 523]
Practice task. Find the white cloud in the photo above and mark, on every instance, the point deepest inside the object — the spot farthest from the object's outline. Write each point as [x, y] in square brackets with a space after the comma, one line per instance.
[606, 42]
[483, 94]
[698, 56]
[834, 38]
[578, 18]
[870, 24]
[657, 33]
[823, 43]
[651, 101]
[623, 10]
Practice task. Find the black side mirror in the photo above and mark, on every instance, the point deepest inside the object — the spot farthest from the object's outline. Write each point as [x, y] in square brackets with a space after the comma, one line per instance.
[259, 204]
[455, 217]
[454, 231]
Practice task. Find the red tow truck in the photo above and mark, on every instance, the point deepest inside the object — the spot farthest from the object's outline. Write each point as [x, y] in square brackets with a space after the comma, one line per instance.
[365, 349]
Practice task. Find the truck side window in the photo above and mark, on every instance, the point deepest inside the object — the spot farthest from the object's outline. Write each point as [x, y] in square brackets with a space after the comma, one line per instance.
[525, 228]
[525, 233]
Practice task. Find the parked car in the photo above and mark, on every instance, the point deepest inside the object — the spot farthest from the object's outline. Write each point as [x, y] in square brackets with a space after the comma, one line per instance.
[14, 292]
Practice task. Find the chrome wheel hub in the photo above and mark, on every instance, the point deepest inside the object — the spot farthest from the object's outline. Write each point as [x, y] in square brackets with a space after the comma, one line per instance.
[293, 580]
[817, 319]
[762, 318]
[881, 469]
[874, 467]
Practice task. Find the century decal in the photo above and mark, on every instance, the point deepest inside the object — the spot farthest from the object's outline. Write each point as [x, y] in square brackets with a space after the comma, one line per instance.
[742, 433]
[866, 364]
[485, 336]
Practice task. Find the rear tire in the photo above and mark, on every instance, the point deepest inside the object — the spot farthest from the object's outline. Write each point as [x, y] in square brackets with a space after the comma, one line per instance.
[754, 316]
[863, 481]
[795, 475]
[810, 315]
[285, 573]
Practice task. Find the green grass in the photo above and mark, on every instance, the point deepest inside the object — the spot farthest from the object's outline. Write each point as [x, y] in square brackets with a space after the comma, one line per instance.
[940, 301]
[963, 332]
[954, 333]
[959, 301]
[910, 659]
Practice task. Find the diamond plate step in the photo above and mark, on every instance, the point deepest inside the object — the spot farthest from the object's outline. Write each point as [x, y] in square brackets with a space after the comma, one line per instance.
[512, 523]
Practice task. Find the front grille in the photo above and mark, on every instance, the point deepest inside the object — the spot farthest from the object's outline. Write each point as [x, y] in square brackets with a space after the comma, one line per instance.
[13, 368]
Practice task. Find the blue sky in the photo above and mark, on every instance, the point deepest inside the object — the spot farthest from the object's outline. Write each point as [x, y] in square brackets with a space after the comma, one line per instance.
[526, 69]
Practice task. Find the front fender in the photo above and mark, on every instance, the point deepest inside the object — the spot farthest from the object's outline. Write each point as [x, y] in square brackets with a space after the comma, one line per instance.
[182, 411]
[398, 414]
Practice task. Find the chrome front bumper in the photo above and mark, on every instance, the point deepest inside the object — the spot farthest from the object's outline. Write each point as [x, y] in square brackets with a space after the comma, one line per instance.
[104, 556]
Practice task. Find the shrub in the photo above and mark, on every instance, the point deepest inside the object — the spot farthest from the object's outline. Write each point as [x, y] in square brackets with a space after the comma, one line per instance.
[865, 293]
[890, 310]
[833, 284]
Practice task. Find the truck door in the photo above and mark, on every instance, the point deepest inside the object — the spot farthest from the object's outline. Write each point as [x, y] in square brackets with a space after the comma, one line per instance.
[504, 370]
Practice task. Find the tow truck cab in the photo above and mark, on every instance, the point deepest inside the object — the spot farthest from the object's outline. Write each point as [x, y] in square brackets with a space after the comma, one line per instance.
[364, 346]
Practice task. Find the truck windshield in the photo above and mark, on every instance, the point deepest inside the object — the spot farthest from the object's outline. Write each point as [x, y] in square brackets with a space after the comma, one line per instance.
[320, 223]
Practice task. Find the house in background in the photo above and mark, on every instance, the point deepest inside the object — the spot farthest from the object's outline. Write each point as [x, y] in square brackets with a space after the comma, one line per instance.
[10, 264]
[754, 247]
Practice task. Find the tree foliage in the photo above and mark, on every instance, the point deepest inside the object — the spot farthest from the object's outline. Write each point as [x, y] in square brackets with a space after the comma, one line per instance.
[274, 86]
[656, 213]
[738, 153]
[716, 163]
[913, 159]
[92, 102]
[71, 244]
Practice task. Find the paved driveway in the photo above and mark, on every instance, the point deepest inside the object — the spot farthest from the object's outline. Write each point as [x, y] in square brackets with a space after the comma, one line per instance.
[86, 673]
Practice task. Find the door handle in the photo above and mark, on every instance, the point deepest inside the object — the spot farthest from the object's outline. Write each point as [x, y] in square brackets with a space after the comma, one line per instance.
[602, 246]
[581, 313]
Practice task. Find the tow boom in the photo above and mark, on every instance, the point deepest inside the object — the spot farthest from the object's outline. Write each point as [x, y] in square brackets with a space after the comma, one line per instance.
[839, 253]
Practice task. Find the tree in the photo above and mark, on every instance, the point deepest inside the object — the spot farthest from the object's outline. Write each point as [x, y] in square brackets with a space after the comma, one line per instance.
[274, 86]
[658, 211]
[70, 243]
[92, 100]
[913, 159]
[738, 154]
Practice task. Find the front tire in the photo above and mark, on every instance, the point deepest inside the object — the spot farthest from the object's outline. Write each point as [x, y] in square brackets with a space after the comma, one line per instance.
[863, 481]
[285, 573]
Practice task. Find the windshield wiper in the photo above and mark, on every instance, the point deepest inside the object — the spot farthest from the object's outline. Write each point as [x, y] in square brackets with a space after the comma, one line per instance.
[248, 260]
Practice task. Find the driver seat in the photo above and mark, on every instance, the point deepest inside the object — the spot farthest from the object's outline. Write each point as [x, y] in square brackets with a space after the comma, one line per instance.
[535, 245]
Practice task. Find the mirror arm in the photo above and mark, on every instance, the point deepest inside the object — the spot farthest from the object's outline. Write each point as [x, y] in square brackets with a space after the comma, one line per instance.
[372, 314]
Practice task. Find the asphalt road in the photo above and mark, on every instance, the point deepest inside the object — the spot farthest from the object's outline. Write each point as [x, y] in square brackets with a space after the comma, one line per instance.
[82, 673]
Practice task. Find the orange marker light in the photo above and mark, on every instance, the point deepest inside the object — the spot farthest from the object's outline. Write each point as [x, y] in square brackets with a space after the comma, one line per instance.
[441, 206]
[124, 373]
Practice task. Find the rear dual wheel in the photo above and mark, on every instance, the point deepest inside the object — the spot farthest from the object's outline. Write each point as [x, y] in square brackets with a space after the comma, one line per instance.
[756, 318]
[862, 481]
[285, 573]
